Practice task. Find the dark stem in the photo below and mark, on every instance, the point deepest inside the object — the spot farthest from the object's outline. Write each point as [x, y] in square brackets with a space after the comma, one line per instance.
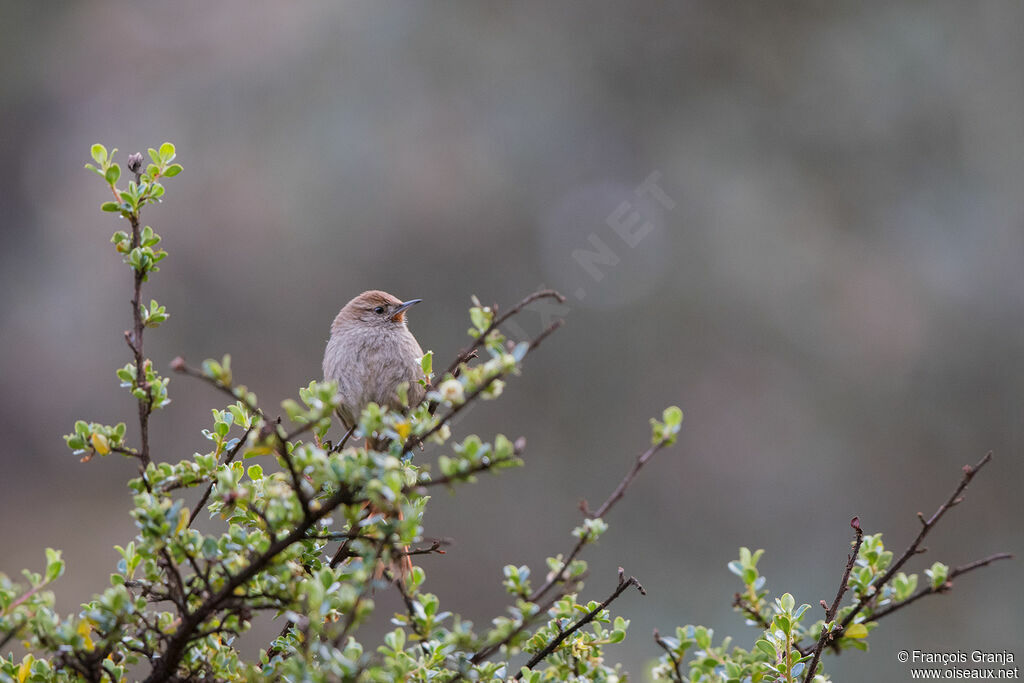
[177, 643]
[414, 439]
[614, 497]
[926, 526]
[830, 612]
[517, 448]
[740, 602]
[930, 590]
[209, 489]
[134, 339]
[469, 351]
[350, 618]
[486, 652]
[676, 663]
[560, 574]
[624, 583]
[620, 490]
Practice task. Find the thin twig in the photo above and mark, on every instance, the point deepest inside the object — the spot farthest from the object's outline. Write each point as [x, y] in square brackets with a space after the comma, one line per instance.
[830, 612]
[677, 665]
[624, 583]
[179, 365]
[517, 449]
[496, 322]
[740, 602]
[913, 549]
[209, 489]
[344, 440]
[620, 490]
[410, 608]
[414, 439]
[177, 643]
[350, 618]
[135, 342]
[560, 574]
[614, 497]
[486, 652]
[931, 590]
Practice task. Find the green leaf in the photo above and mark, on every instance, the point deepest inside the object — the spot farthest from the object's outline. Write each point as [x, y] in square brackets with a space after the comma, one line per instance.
[856, 631]
[166, 152]
[54, 564]
[113, 173]
[672, 416]
[172, 170]
[112, 207]
[99, 154]
[766, 647]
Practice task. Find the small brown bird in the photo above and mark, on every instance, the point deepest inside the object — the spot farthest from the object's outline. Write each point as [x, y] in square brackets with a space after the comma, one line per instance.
[371, 351]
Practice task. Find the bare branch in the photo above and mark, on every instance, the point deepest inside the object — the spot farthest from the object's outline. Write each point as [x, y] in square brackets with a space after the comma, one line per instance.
[166, 666]
[830, 612]
[915, 547]
[624, 583]
[677, 665]
[209, 489]
[740, 602]
[614, 497]
[414, 439]
[620, 490]
[931, 590]
[468, 352]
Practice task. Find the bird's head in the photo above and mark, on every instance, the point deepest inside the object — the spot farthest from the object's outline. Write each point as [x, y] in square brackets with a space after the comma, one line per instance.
[374, 309]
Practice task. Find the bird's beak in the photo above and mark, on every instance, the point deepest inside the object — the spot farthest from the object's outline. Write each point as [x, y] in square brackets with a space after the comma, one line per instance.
[399, 313]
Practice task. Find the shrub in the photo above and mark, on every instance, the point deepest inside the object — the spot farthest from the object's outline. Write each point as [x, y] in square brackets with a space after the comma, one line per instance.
[309, 530]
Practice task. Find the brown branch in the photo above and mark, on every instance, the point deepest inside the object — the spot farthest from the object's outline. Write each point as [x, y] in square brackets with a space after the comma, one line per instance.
[179, 365]
[624, 583]
[620, 490]
[677, 665]
[350, 618]
[560, 574]
[517, 449]
[177, 592]
[740, 602]
[486, 652]
[209, 489]
[830, 612]
[135, 339]
[177, 643]
[915, 547]
[268, 429]
[433, 549]
[344, 440]
[496, 322]
[614, 497]
[410, 608]
[931, 590]
[414, 439]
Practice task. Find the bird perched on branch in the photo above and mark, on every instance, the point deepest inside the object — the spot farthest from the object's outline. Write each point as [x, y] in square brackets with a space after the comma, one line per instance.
[371, 352]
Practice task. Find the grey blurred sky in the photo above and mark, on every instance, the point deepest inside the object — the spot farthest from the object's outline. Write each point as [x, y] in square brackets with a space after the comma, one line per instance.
[834, 298]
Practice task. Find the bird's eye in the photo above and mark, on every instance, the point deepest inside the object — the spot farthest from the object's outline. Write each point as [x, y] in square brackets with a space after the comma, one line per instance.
[378, 310]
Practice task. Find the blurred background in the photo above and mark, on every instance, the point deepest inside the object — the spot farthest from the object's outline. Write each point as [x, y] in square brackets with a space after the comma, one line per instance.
[827, 276]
